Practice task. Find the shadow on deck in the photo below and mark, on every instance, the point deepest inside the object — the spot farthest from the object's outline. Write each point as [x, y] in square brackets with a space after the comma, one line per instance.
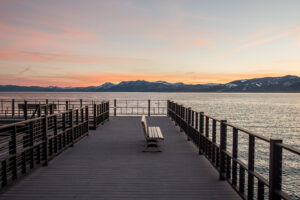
[110, 164]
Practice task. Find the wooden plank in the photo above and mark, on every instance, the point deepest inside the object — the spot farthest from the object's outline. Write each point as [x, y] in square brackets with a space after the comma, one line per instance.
[110, 164]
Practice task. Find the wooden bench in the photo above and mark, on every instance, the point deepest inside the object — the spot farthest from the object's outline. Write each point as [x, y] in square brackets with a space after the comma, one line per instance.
[152, 135]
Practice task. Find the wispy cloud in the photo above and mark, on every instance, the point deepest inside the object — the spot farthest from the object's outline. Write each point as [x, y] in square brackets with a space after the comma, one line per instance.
[28, 68]
[257, 42]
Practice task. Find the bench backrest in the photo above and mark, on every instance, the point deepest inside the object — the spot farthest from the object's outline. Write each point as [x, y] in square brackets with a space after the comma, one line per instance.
[144, 124]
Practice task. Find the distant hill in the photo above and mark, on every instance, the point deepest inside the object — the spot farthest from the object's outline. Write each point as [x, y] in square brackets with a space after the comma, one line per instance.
[268, 84]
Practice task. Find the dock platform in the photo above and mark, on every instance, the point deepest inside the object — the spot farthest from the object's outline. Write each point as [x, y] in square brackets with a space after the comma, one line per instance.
[110, 164]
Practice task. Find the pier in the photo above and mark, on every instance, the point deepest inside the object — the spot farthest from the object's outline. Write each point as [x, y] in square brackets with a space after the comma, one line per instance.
[93, 150]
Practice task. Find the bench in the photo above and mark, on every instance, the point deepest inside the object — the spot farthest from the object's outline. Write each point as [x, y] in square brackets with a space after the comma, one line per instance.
[152, 135]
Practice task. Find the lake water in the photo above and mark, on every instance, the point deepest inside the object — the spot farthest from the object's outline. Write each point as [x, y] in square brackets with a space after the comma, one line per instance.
[272, 115]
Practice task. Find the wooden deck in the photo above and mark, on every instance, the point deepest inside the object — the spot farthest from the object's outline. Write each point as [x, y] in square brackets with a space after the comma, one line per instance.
[110, 164]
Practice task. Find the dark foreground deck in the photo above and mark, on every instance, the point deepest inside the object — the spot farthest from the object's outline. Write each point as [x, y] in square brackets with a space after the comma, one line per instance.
[110, 164]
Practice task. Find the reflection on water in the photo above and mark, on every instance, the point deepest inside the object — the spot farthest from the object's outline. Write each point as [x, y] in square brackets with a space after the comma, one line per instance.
[272, 115]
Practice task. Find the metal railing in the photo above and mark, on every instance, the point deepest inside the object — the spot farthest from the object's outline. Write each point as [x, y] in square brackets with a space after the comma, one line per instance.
[211, 135]
[19, 109]
[15, 110]
[28, 144]
[138, 107]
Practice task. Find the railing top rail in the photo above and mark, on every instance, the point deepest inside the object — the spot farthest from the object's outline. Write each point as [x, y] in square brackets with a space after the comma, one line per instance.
[289, 148]
[249, 132]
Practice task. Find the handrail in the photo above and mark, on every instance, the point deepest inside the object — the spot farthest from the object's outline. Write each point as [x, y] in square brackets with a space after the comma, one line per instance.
[202, 130]
[34, 142]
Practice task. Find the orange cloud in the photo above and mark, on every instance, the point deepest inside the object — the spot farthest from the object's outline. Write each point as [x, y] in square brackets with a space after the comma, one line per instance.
[90, 79]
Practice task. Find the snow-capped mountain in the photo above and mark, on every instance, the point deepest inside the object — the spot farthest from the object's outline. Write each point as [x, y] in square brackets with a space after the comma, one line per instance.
[268, 84]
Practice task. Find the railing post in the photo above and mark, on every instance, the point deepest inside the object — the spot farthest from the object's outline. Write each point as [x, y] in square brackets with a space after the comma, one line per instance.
[234, 155]
[201, 130]
[197, 121]
[13, 151]
[12, 108]
[87, 118]
[67, 105]
[188, 123]
[71, 127]
[25, 110]
[275, 169]
[115, 107]
[251, 156]
[95, 116]
[45, 137]
[80, 103]
[149, 107]
[223, 138]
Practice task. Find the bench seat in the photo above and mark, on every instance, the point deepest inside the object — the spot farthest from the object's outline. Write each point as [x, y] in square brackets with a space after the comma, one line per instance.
[152, 135]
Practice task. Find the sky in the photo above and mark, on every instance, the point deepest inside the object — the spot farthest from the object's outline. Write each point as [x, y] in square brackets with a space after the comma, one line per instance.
[83, 43]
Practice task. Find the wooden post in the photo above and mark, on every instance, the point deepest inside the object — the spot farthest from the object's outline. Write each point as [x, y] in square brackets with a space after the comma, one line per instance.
[275, 169]
[223, 138]
[80, 103]
[214, 138]
[149, 107]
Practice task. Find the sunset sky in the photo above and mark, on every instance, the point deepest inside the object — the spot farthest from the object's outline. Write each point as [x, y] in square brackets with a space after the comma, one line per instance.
[82, 43]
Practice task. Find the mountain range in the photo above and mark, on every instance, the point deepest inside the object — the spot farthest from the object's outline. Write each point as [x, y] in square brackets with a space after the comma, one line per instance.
[287, 83]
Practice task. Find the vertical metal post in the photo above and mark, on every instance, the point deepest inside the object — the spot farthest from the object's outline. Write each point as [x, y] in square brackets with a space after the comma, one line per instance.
[223, 138]
[25, 110]
[31, 143]
[149, 107]
[251, 152]
[188, 123]
[45, 137]
[234, 156]
[275, 169]
[87, 118]
[115, 107]
[71, 127]
[12, 108]
[214, 138]
[67, 105]
[201, 130]
[95, 116]
[197, 121]
[13, 151]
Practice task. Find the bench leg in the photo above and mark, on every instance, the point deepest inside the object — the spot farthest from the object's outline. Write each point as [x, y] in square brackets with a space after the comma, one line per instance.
[152, 144]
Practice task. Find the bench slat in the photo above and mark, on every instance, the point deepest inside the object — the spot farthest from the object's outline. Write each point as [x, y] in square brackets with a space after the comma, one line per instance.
[159, 133]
